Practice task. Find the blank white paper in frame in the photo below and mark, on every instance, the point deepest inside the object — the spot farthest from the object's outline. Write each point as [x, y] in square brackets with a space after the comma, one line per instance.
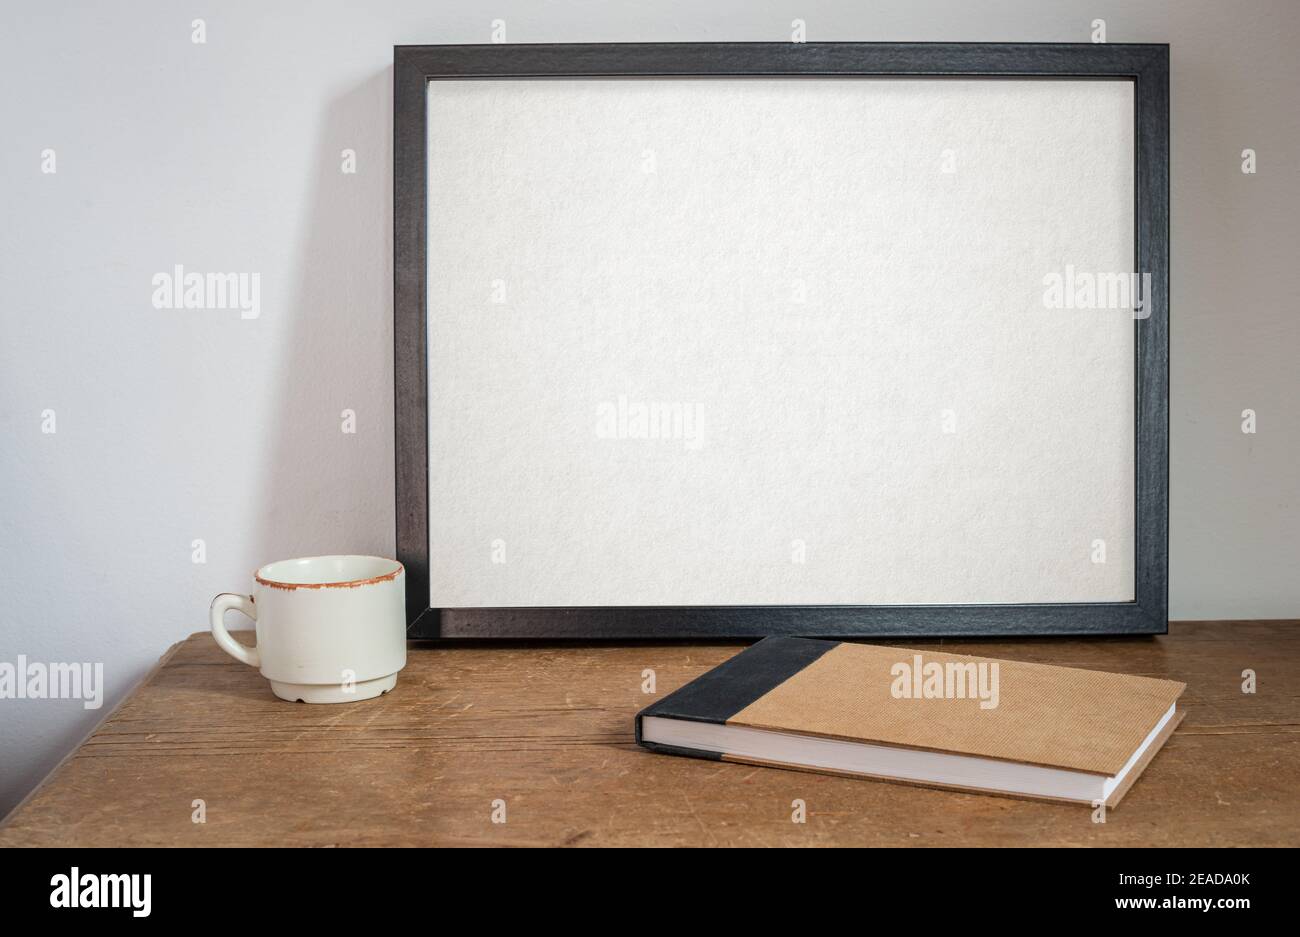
[778, 342]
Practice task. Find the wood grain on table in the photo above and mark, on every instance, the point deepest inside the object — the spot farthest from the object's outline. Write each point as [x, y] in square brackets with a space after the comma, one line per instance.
[548, 731]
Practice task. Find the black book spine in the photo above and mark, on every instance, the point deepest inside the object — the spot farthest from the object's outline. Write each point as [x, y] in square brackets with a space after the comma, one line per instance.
[725, 690]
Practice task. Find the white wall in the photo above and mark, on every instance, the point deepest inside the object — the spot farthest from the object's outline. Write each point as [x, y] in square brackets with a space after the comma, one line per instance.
[181, 425]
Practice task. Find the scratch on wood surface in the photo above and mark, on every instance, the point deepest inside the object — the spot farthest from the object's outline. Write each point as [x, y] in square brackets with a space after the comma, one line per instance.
[713, 841]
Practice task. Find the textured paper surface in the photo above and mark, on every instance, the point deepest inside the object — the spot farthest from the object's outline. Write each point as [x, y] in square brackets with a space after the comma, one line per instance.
[1085, 720]
[867, 400]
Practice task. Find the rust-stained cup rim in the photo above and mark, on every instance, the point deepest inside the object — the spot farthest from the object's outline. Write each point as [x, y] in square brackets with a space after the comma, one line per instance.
[276, 580]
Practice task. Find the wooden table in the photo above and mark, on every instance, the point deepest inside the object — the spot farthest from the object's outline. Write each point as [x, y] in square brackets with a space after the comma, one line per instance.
[548, 731]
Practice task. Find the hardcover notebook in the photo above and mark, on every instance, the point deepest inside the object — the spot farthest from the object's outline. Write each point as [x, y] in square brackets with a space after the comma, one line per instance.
[921, 717]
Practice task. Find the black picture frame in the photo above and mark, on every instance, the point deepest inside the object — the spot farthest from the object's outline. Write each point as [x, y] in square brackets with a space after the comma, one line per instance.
[1146, 65]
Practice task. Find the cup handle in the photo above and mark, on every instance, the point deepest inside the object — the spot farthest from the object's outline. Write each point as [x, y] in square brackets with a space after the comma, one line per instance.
[222, 604]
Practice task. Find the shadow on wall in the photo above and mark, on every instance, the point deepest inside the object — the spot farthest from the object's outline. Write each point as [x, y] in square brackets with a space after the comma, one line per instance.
[329, 484]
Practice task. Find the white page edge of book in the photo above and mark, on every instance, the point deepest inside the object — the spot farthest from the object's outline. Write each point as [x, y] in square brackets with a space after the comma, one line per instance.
[906, 764]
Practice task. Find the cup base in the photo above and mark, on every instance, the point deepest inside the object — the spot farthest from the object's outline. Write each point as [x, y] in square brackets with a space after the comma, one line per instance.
[333, 692]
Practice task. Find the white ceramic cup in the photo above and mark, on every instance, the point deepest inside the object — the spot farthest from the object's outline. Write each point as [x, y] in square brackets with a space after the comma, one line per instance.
[330, 629]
